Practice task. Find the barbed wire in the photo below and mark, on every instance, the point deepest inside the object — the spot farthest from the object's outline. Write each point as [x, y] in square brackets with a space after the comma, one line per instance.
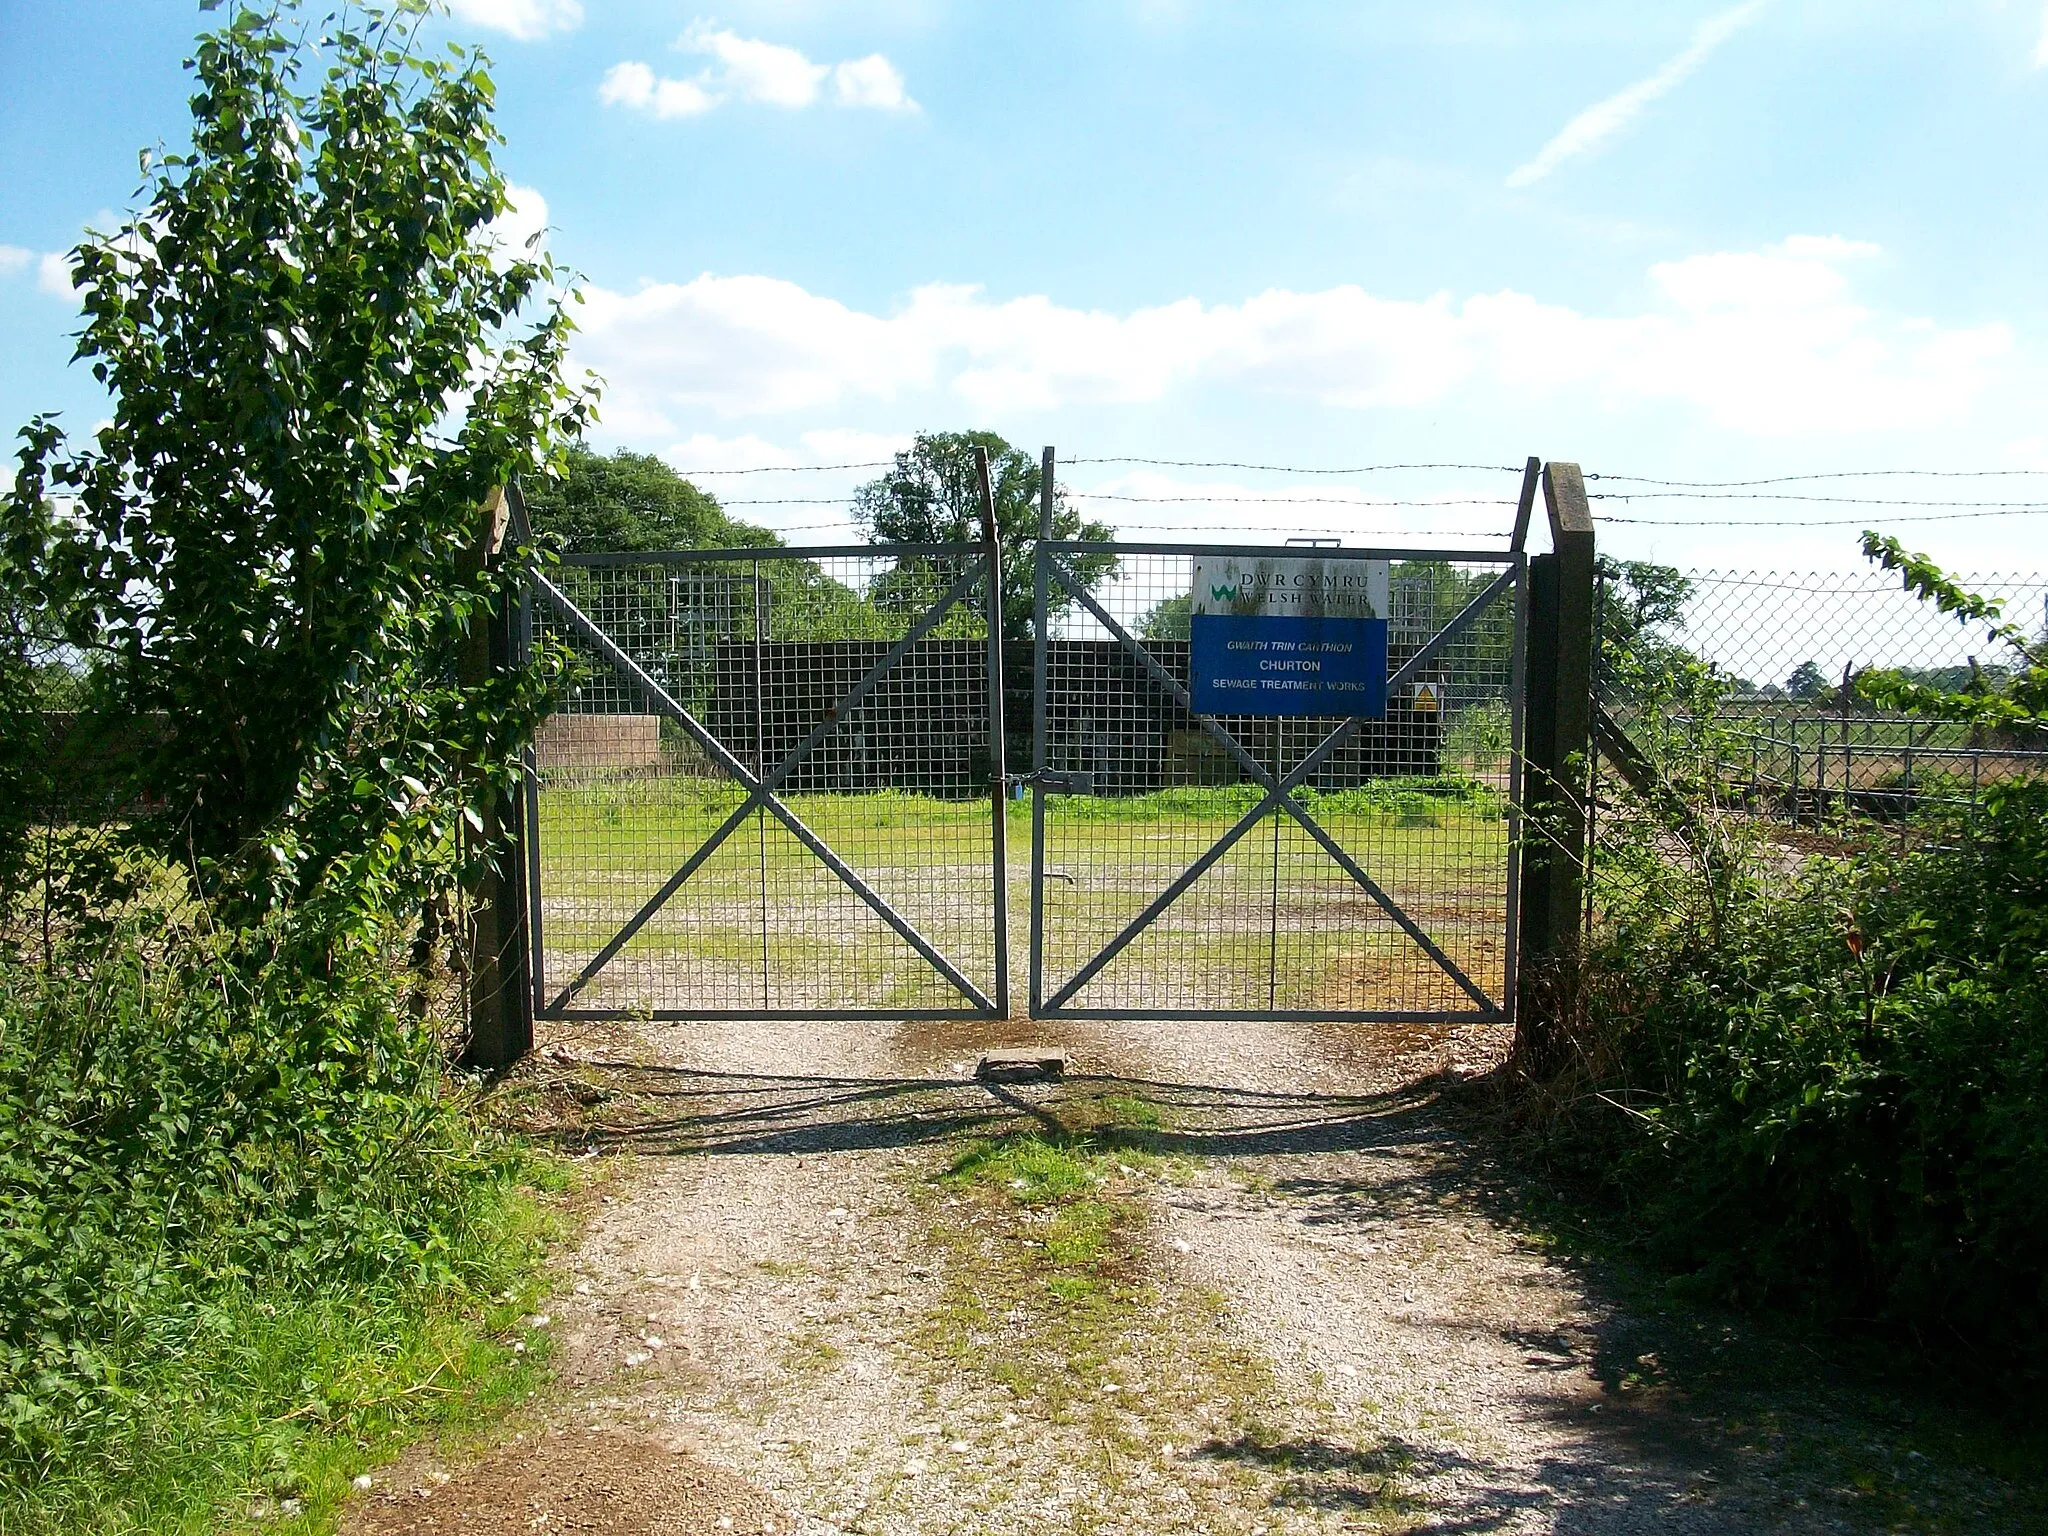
[1818, 522]
[1292, 469]
[785, 469]
[1870, 582]
[1808, 496]
[1838, 474]
[1301, 501]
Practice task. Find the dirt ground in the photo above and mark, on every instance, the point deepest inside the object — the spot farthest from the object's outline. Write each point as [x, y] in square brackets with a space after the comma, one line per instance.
[1305, 1304]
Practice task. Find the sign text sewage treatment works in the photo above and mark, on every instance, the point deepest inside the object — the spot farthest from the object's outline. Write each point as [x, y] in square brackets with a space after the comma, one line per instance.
[1287, 636]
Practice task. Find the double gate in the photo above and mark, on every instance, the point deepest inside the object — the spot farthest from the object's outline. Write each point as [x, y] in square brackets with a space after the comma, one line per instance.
[780, 785]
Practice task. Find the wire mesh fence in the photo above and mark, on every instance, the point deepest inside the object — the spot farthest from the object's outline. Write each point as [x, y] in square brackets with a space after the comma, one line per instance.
[1174, 883]
[66, 857]
[767, 788]
[1738, 687]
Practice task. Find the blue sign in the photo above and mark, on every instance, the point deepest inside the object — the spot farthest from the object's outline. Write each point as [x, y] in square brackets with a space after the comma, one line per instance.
[1263, 664]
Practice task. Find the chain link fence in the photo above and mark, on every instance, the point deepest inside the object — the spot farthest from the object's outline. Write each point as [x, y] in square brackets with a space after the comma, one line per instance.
[1736, 690]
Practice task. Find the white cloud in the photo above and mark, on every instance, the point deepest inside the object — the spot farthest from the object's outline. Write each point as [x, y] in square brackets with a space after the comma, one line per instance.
[1769, 342]
[53, 274]
[520, 232]
[633, 84]
[527, 20]
[13, 259]
[767, 73]
[849, 445]
[871, 82]
[704, 450]
[750, 70]
[1604, 119]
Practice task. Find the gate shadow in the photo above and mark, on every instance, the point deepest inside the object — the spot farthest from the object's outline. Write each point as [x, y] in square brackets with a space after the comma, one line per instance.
[600, 1105]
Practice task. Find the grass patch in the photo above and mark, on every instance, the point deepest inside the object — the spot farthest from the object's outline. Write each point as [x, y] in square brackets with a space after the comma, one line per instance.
[252, 1406]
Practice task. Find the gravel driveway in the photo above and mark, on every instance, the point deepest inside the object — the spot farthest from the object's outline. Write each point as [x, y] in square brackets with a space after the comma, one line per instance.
[1309, 1305]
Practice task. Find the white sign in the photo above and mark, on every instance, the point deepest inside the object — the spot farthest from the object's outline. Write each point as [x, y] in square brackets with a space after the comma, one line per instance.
[1289, 587]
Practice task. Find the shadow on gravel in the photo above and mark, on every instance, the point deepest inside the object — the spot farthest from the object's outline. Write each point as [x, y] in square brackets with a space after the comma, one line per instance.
[596, 1103]
[1593, 1494]
[1694, 1402]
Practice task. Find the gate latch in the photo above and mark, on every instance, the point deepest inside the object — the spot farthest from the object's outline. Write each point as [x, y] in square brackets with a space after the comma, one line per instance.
[1060, 783]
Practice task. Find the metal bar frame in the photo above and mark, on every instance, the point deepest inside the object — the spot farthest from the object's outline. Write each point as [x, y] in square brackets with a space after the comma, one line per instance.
[600, 559]
[1279, 791]
[1041, 582]
[999, 779]
[761, 796]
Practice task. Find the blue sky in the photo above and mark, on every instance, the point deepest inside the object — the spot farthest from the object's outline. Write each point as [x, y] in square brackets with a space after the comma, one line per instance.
[1685, 241]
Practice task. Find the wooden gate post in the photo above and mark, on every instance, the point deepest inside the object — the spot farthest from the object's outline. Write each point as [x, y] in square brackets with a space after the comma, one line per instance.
[500, 999]
[1558, 737]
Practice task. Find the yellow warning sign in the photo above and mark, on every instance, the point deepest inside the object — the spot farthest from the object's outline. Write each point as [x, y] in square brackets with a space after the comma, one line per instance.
[1426, 701]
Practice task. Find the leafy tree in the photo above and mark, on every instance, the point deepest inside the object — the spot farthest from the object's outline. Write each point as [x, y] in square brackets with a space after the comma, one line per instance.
[311, 335]
[628, 501]
[1171, 618]
[932, 496]
[1640, 602]
[2013, 696]
[1807, 682]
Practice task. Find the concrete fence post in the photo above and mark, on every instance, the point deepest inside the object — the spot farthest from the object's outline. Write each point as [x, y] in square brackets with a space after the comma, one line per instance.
[1558, 737]
[500, 993]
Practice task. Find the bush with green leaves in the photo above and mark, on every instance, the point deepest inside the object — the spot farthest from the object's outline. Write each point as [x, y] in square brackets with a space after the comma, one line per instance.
[267, 578]
[1831, 1094]
[310, 336]
[178, 1119]
[1815, 1077]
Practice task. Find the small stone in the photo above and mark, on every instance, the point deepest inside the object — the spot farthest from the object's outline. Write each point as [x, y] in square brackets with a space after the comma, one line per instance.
[914, 1467]
[1180, 1245]
[519, 1346]
[638, 1357]
[361, 1482]
[959, 1447]
[654, 1341]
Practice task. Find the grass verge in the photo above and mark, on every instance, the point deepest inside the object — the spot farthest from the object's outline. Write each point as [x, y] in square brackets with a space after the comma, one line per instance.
[257, 1406]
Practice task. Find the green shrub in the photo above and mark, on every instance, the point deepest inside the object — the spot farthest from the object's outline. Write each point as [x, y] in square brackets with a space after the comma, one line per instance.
[1832, 1093]
[181, 1120]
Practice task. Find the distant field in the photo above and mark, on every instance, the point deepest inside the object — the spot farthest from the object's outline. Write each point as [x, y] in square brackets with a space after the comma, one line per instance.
[1274, 924]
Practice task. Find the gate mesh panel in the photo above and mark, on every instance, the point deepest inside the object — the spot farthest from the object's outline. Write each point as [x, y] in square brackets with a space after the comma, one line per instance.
[762, 651]
[1419, 800]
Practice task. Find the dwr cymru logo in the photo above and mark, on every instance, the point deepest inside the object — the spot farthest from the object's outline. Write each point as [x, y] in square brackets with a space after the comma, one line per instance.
[1222, 594]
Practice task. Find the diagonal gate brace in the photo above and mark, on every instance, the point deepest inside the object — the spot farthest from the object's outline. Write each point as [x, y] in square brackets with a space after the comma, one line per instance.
[761, 791]
[1279, 793]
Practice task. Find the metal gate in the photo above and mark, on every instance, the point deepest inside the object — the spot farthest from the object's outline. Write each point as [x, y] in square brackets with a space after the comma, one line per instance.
[772, 788]
[1191, 865]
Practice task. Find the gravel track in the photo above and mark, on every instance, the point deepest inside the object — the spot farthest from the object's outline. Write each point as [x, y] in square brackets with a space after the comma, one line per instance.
[1335, 1319]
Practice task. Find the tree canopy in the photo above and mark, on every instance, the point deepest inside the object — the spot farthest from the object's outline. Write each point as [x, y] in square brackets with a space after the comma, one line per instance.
[931, 495]
[632, 501]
